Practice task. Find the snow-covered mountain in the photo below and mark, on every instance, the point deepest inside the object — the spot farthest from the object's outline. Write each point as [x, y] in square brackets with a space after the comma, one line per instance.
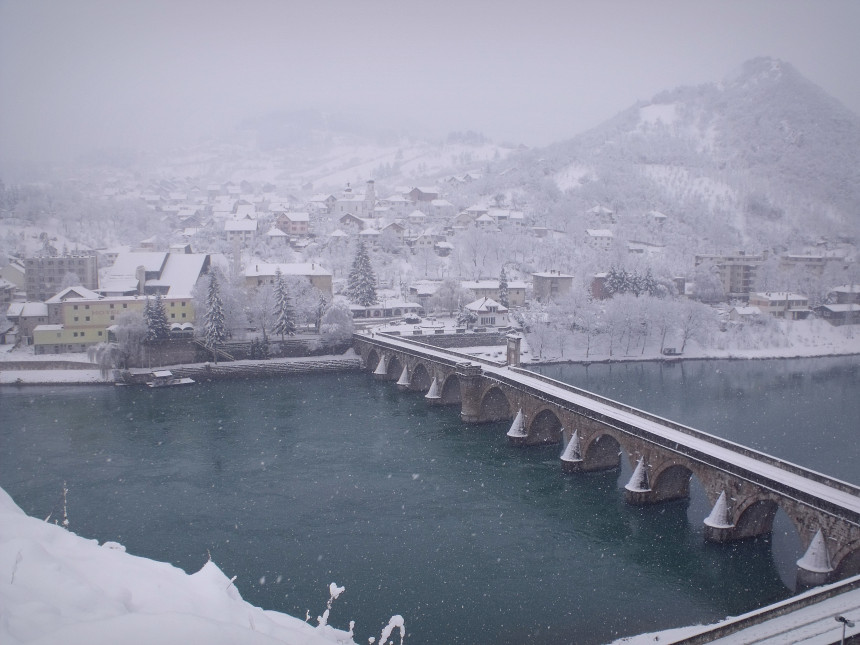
[764, 157]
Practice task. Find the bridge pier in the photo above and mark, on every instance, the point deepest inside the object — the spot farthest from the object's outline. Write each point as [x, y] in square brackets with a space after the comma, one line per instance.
[470, 391]
[814, 568]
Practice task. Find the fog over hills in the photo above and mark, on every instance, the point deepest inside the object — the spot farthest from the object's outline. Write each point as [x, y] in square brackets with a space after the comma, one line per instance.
[761, 160]
[763, 155]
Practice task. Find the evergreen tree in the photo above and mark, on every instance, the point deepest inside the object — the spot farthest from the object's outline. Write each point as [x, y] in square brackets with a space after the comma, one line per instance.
[157, 327]
[147, 318]
[285, 317]
[214, 327]
[361, 284]
[503, 289]
[649, 284]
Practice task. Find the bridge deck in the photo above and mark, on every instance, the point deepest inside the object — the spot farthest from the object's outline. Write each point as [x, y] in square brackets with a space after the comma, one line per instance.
[784, 477]
[701, 445]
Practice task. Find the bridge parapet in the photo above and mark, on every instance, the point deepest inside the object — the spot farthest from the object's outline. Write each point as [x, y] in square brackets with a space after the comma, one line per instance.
[711, 439]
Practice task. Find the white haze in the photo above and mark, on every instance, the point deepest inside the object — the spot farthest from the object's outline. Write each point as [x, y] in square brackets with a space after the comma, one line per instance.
[82, 74]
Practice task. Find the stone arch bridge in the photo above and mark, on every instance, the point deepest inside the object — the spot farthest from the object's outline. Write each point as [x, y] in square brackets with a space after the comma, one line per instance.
[745, 487]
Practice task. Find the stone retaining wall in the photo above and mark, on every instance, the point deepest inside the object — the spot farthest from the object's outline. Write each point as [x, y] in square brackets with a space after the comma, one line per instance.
[261, 369]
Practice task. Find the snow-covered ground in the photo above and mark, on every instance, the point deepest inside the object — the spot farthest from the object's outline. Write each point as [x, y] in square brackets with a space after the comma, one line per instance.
[798, 339]
[58, 587]
[787, 339]
[810, 625]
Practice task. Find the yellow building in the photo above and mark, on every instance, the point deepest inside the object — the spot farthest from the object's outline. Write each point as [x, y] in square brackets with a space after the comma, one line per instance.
[79, 318]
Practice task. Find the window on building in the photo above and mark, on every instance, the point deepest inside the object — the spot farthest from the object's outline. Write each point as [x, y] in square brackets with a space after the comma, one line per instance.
[124, 306]
[76, 319]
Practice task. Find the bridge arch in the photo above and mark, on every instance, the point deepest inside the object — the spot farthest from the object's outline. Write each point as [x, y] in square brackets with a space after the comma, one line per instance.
[451, 391]
[494, 406]
[421, 378]
[848, 562]
[395, 367]
[601, 452]
[671, 482]
[372, 359]
[755, 518]
[545, 427]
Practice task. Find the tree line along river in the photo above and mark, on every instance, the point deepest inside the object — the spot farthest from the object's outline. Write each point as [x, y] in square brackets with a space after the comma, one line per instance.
[292, 483]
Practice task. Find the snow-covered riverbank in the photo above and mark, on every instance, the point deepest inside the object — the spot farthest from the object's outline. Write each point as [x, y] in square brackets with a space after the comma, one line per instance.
[797, 339]
[58, 587]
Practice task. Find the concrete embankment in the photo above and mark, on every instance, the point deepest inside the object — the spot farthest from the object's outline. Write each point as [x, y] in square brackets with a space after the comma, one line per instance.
[202, 372]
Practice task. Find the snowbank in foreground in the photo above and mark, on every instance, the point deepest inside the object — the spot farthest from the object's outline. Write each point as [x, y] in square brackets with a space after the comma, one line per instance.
[57, 587]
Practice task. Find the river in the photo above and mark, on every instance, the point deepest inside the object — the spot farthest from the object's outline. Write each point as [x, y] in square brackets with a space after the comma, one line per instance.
[297, 482]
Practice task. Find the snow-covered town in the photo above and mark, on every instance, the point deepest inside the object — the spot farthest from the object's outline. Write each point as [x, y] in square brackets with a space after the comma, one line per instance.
[408, 331]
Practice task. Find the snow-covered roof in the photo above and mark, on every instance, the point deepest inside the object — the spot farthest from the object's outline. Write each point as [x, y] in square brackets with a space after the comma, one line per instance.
[338, 233]
[485, 305]
[240, 225]
[846, 288]
[600, 210]
[73, 293]
[599, 232]
[491, 284]
[48, 328]
[747, 311]
[551, 274]
[126, 263]
[297, 217]
[778, 296]
[276, 232]
[178, 271]
[841, 308]
[182, 272]
[27, 309]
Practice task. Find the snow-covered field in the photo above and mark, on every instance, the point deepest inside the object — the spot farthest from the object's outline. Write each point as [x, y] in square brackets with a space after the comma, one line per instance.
[58, 587]
[795, 339]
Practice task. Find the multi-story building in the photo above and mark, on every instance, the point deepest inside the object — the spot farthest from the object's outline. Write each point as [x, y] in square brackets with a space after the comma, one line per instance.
[781, 304]
[551, 285]
[294, 223]
[737, 272]
[79, 317]
[490, 289]
[599, 238]
[262, 273]
[45, 276]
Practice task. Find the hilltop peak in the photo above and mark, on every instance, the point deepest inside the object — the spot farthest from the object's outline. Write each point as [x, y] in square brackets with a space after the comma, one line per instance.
[762, 70]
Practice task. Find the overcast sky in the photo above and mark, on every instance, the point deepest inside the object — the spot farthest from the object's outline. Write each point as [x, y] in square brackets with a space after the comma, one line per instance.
[126, 73]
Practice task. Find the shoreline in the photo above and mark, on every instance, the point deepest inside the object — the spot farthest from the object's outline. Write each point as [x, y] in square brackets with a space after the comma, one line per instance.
[63, 371]
[200, 371]
[681, 359]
